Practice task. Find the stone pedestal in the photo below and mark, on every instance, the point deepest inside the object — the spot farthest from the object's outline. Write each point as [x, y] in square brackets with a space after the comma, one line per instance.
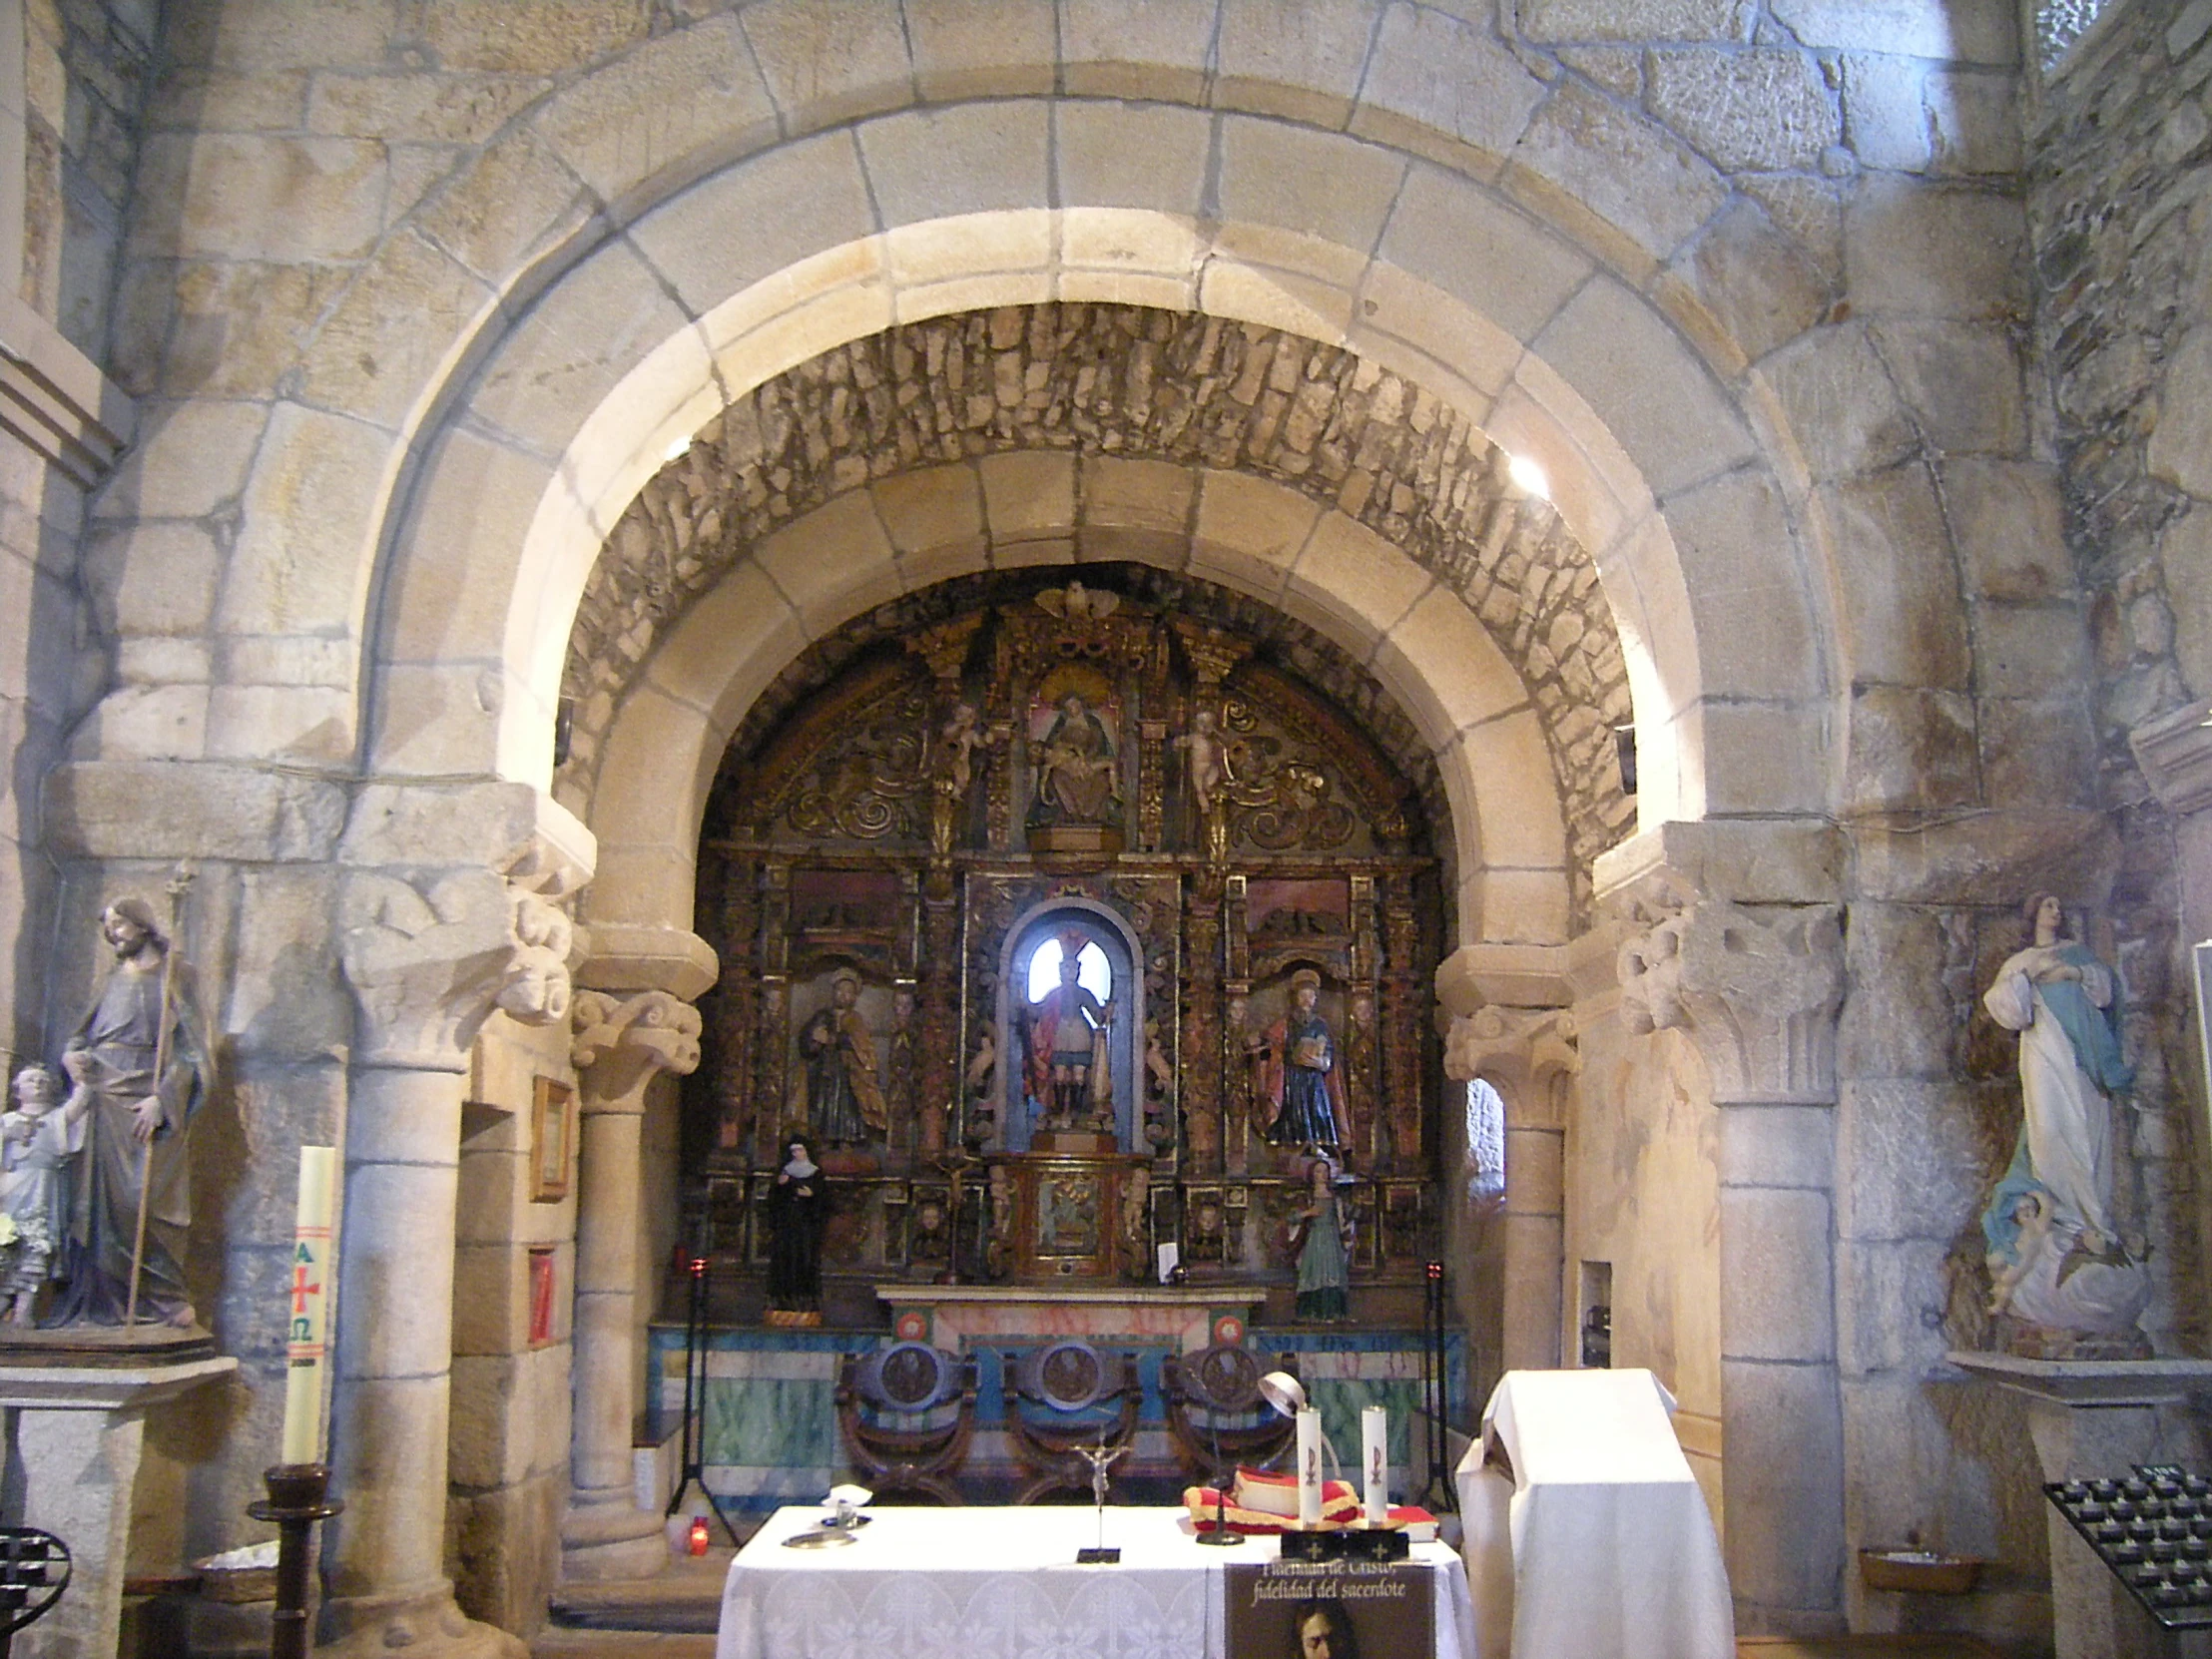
[2093, 1418]
[73, 1437]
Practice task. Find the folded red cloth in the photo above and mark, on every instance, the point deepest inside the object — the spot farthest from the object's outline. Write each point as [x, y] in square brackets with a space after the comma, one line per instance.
[1340, 1505]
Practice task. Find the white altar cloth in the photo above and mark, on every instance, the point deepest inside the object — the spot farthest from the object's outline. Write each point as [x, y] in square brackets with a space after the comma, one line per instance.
[1003, 1584]
[1604, 1545]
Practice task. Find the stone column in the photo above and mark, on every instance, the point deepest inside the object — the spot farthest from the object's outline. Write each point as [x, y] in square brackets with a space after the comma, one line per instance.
[622, 1045]
[1756, 990]
[429, 953]
[1527, 1055]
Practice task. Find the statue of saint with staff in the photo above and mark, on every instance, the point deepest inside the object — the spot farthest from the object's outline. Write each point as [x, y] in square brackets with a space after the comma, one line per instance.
[142, 1056]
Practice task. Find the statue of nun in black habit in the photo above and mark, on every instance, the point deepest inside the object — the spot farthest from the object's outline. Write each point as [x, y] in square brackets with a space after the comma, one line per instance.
[797, 1207]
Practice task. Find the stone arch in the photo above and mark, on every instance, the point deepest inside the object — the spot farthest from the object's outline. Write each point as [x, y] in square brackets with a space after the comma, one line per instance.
[1427, 648]
[1741, 561]
[542, 341]
[558, 513]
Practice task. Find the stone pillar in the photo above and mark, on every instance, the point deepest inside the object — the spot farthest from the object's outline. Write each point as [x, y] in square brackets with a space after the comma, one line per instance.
[1528, 1055]
[430, 952]
[2094, 1419]
[74, 1438]
[622, 1044]
[1756, 990]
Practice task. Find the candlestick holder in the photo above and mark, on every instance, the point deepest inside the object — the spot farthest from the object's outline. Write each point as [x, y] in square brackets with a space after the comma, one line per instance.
[298, 1498]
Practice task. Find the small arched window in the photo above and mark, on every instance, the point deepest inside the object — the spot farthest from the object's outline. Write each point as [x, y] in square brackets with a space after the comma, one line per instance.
[1092, 972]
[1485, 1140]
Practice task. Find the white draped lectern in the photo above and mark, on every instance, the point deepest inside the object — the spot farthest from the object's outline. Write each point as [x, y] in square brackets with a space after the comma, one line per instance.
[1600, 1543]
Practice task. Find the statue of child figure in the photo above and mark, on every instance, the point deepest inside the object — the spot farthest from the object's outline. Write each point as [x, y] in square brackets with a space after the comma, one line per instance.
[38, 1139]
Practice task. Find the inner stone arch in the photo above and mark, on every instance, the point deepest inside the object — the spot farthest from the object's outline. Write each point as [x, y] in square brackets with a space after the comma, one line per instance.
[1136, 385]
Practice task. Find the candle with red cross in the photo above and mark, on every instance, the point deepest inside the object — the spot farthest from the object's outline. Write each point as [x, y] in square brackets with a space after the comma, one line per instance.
[307, 1295]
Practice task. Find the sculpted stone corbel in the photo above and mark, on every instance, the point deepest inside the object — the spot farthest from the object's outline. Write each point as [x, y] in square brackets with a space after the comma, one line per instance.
[623, 1043]
[430, 958]
[1755, 988]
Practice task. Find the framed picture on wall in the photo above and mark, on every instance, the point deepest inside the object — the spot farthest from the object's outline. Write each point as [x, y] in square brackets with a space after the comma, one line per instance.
[552, 1140]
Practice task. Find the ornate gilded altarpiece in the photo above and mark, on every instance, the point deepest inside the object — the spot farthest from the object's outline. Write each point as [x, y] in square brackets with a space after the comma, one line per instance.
[1054, 773]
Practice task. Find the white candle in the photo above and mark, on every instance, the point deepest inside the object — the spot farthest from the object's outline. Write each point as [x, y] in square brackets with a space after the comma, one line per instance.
[306, 1297]
[1375, 1460]
[1308, 1467]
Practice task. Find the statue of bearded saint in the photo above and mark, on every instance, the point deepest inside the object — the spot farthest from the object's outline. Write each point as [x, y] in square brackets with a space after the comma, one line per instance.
[131, 1157]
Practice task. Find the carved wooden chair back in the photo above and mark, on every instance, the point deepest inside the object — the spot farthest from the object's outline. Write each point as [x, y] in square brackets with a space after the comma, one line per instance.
[907, 1413]
[1213, 1401]
[1067, 1394]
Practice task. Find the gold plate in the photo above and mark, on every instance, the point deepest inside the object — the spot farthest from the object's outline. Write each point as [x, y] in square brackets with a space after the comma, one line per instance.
[821, 1537]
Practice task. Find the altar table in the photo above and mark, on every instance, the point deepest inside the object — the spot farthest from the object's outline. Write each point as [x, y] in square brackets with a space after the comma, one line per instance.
[1003, 1584]
[1601, 1546]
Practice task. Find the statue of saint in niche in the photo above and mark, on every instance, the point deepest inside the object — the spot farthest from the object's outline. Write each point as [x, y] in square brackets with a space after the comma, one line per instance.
[844, 1096]
[1067, 1070]
[2056, 1259]
[145, 1021]
[1078, 764]
[1298, 1075]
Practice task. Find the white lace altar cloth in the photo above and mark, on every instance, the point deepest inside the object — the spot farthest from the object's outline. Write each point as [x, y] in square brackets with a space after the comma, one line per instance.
[1003, 1584]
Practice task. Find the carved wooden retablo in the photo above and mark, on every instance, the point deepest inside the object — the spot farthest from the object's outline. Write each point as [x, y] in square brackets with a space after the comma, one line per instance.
[1015, 891]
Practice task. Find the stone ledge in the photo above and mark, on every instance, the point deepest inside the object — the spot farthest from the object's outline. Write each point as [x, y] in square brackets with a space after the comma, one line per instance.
[1745, 861]
[629, 958]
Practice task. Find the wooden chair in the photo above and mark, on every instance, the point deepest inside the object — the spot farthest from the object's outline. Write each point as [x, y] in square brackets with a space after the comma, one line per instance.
[1213, 1401]
[1065, 1396]
[907, 1411]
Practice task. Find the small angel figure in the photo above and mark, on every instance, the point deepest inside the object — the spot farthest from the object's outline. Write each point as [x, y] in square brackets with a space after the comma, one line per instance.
[962, 737]
[1076, 603]
[982, 1066]
[38, 1141]
[1203, 759]
[1158, 1072]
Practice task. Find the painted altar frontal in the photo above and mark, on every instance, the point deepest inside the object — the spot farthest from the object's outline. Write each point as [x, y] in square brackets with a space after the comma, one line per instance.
[770, 1418]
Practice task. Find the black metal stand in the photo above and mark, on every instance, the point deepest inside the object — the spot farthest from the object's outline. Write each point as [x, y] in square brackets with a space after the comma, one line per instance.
[695, 1387]
[298, 1498]
[1436, 1395]
[1221, 1537]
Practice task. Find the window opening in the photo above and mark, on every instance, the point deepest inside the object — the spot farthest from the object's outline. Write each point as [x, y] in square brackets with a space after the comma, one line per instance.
[1092, 972]
[1485, 1140]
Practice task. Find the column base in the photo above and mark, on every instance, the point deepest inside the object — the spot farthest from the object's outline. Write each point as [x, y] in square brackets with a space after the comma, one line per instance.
[423, 1626]
[603, 1541]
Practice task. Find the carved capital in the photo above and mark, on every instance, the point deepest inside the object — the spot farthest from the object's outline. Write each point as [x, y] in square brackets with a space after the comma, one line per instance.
[623, 1043]
[1755, 988]
[2175, 752]
[429, 956]
[1517, 1051]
